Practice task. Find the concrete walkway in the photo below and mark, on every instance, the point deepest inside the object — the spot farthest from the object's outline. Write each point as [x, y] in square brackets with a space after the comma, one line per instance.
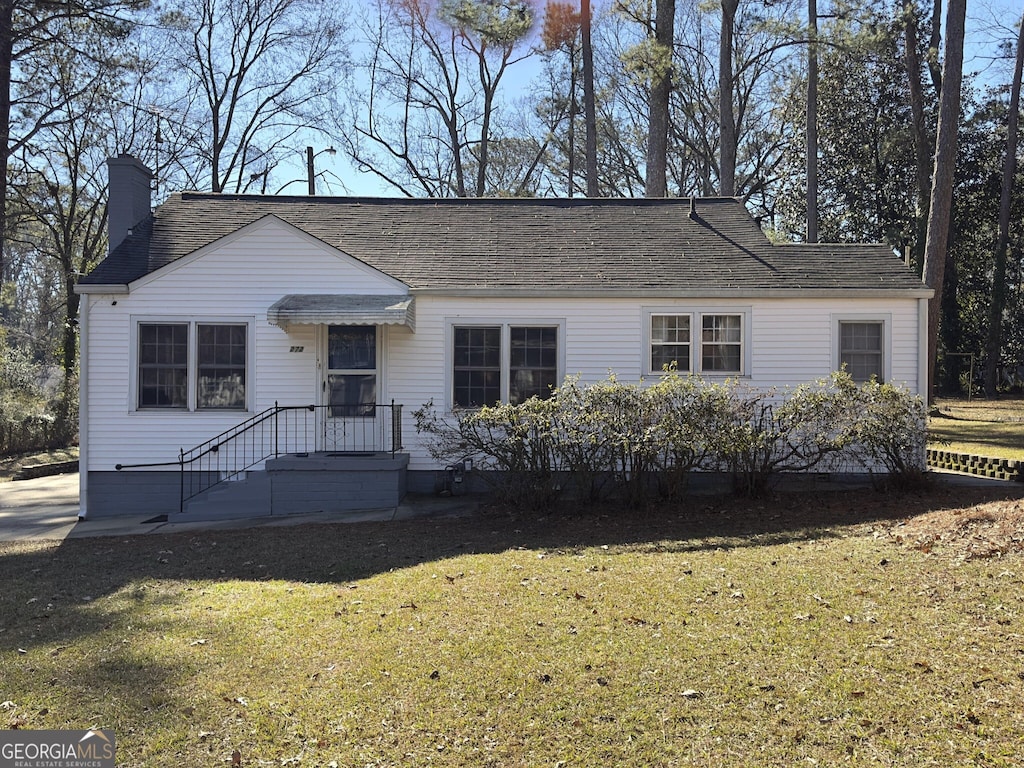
[47, 508]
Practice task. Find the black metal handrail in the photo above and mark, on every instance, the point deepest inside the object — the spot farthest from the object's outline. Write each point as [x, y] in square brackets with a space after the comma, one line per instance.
[281, 430]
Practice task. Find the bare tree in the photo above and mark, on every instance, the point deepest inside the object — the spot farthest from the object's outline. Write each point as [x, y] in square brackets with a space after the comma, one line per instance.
[59, 183]
[28, 30]
[942, 176]
[424, 107]
[256, 71]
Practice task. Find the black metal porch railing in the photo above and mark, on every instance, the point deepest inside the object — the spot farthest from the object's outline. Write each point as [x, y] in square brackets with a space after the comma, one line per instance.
[281, 430]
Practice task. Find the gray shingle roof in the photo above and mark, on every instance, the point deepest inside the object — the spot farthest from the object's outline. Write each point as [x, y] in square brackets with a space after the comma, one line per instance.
[578, 245]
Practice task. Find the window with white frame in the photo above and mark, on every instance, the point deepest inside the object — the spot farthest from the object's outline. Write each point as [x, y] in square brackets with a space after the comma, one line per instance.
[503, 363]
[717, 349]
[861, 349]
[163, 365]
[670, 342]
[721, 343]
[192, 365]
[533, 362]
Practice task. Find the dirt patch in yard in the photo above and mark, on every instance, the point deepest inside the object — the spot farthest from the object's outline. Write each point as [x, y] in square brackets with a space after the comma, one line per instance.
[989, 529]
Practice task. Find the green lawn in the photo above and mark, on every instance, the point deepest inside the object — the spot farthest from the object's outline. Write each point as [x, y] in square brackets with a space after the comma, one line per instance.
[794, 632]
[984, 427]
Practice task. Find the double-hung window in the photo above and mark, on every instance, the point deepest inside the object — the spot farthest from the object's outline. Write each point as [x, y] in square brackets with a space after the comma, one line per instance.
[709, 342]
[163, 365]
[721, 343]
[192, 365]
[477, 366]
[861, 349]
[503, 363]
[670, 342]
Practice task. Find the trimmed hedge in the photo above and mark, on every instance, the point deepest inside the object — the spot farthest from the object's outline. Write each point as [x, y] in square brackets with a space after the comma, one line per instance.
[641, 442]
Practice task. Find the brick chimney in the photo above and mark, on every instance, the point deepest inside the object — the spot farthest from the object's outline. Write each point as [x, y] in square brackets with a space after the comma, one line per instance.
[129, 197]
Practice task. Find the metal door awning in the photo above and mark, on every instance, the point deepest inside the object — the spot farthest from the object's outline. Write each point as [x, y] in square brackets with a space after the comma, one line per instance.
[342, 309]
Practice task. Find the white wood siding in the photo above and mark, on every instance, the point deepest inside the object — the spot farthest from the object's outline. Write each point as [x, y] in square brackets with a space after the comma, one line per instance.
[238, 279]
[790, 341]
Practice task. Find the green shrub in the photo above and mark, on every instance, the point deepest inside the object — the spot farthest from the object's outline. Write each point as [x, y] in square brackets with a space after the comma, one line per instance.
[694, 424]
[809, 427]
[890, 433]
[511, 446]
[610, 438]
[26, 421]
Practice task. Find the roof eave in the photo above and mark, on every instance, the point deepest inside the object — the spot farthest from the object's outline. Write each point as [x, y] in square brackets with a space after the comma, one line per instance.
[686, 293]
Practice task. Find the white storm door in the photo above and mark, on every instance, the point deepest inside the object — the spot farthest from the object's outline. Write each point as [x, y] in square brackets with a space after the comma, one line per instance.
[350, 387]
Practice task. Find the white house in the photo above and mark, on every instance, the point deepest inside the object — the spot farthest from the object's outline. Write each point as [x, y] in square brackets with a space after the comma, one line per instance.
[350, 313]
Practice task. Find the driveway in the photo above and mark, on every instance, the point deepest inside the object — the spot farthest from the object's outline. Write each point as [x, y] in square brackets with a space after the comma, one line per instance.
[44, 508]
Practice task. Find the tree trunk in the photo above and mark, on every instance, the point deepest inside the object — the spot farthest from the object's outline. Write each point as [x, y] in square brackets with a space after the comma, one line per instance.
[726, 114]
[485, 124]
[995, 318]
[922, 144]
[571, 130]
[6, 55]
[589, 102]
[656, 171]
[812, 121]
[933, 46]
[942, 176]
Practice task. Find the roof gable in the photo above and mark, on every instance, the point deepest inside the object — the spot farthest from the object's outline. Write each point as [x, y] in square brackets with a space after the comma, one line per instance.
[272, 227]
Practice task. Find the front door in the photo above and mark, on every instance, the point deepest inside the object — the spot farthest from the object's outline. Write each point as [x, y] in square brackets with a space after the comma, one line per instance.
[350, 388]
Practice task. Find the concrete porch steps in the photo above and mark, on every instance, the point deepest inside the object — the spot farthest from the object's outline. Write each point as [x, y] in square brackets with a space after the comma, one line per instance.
[249, 497]
[303, 484]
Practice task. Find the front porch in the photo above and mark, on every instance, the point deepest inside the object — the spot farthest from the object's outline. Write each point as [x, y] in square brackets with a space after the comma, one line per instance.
[287, 460]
